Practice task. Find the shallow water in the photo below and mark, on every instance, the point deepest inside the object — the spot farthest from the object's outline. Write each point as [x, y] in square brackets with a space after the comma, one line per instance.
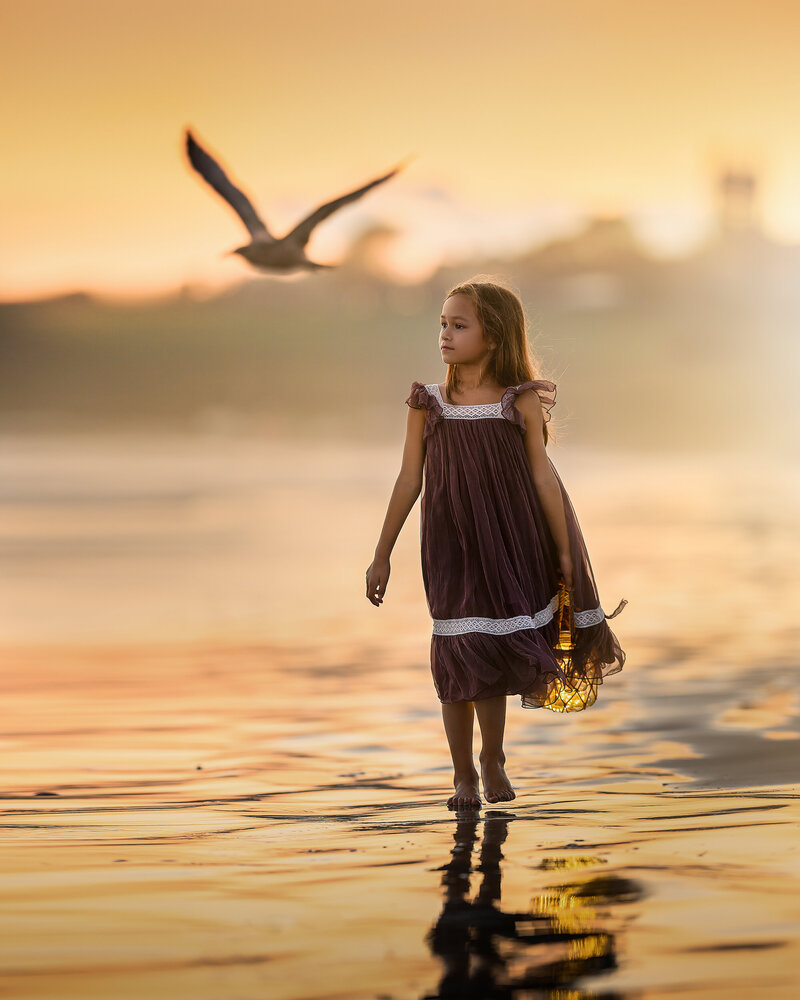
[225, 771]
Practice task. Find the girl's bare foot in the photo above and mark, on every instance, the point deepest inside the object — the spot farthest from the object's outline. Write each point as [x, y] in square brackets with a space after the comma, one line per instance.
[466, 792]
[496, 786]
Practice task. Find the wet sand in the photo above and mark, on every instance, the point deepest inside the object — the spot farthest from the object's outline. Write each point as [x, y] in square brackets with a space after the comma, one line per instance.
[245, 815]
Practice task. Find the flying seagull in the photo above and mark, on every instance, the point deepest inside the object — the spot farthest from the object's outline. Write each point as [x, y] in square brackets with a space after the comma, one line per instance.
[265, 251]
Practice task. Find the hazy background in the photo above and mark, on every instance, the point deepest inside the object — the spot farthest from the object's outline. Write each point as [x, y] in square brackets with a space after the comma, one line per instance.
[633, 174]
[195, 447]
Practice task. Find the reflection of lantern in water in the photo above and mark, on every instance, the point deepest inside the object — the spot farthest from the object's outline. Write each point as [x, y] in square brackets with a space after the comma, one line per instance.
[580, 691]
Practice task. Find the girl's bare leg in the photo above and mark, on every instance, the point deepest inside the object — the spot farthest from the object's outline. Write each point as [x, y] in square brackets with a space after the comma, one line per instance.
[492, 720]
[458, 717]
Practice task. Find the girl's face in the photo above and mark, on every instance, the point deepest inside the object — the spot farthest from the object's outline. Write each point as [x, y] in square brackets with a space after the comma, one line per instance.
[460, 334]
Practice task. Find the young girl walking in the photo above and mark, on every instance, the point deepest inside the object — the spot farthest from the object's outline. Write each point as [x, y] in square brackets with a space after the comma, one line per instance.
[507, 576]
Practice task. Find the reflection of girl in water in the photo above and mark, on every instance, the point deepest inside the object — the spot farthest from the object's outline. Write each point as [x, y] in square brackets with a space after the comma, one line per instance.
[487, 951]
[499, 539]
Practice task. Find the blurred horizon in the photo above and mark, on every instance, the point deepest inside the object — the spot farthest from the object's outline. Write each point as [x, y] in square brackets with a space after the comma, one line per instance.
[734, 203]
[552, 115]
[701, 348]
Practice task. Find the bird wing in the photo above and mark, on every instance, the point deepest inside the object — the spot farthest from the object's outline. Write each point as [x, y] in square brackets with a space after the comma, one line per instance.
[212, 172]
[302, 231]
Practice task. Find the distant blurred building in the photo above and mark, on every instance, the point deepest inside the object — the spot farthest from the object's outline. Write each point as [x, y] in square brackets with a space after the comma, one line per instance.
[737, 201]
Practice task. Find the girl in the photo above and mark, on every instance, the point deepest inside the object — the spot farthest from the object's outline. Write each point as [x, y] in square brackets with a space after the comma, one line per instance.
[499, 536]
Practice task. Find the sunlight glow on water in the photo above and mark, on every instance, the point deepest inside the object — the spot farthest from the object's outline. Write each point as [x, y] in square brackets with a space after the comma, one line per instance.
[228, 768]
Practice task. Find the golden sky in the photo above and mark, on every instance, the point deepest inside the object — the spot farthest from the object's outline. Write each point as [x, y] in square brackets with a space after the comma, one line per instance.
[520, 115]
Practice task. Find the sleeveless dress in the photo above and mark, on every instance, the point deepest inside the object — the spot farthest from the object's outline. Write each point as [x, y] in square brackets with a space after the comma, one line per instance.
[490, 563]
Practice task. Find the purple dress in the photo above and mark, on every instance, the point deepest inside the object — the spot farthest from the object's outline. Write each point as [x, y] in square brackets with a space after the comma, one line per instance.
[490, 563]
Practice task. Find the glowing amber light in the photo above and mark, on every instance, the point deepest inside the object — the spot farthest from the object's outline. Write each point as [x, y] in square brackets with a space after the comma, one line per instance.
[581, 691]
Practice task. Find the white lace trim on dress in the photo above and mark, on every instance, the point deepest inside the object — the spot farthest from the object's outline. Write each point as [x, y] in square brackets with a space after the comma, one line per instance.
[470, 411]
[502, 626]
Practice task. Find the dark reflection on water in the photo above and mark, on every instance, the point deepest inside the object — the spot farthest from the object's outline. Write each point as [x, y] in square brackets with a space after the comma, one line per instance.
[554, 944]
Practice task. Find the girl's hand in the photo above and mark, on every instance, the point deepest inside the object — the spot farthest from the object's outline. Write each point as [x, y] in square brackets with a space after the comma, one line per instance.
[565, 561]
[377, 578]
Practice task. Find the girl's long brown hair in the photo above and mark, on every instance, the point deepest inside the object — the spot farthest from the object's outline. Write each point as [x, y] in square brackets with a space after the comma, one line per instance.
[502, 318]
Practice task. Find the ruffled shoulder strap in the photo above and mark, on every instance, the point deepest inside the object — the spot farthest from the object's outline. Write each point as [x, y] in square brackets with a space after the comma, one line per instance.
[545, 390]
[422, 397]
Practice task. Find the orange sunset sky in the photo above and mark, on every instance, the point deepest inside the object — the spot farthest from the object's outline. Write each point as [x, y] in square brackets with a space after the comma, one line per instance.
[520, 118]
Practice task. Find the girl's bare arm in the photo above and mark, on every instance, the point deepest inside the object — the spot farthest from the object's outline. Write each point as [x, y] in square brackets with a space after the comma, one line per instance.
[407, 488]
[547, 486]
